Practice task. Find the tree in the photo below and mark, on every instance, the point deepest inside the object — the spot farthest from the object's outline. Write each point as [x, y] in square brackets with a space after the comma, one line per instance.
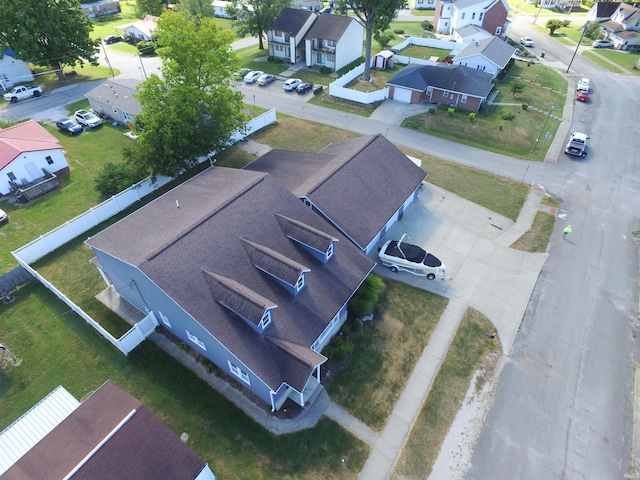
[375, 15]
[553, 25]
[592, 30]
[517, 86]
[192, 110]
[196, 9]
[254, 17]
[49, 33]
[150, 7]
[383, 38]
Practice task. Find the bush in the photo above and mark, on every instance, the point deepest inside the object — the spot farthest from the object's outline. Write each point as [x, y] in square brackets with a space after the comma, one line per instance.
[525, 106]
[115, 177]
[271, 58]
[357, 325]
[472, 116]
[325, 70]
[507, 115]
[427, 25]
[432, 110]
[451, 110]
[364, 300]
[399, 31]
[146, 48]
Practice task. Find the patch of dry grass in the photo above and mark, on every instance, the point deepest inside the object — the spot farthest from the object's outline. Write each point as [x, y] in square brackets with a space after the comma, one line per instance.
[471, 350]
[537, 237]
[385, 353]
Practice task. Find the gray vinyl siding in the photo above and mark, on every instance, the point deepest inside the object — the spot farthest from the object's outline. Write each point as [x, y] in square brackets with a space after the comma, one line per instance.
[146, 295]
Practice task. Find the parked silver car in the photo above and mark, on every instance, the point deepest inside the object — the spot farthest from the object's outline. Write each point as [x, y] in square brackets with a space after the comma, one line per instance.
[265, 79]
[602, 44]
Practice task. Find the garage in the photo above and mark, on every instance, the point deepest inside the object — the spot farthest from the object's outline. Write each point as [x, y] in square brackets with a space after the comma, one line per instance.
[402, 95]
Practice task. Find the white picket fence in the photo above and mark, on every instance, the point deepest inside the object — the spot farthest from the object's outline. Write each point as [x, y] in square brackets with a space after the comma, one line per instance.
[50, 241]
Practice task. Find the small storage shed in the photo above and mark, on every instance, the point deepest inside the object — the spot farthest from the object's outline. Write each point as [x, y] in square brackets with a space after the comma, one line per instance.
[384, 59]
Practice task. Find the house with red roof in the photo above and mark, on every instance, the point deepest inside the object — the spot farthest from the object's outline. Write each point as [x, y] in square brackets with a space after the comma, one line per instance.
[28, 153]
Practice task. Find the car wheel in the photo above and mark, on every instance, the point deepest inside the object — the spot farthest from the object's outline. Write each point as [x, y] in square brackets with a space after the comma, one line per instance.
[14, 100]
[431, 276]
[36, 94]
[394, 269]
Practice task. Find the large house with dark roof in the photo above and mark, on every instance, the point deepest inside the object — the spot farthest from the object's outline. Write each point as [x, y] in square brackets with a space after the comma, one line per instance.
[235, 265]
[345, 177]
[454, 85]
[326, 40]
[110, 436]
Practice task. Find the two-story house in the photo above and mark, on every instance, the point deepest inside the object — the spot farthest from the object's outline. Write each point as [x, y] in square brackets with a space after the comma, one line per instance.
[620, 23]
[490, 55]
[333, 41]
[491, 15]
[286, 35]
[299, 35]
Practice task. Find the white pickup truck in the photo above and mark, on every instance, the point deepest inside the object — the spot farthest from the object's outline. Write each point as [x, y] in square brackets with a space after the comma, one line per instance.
[21, 92]
[577, 144]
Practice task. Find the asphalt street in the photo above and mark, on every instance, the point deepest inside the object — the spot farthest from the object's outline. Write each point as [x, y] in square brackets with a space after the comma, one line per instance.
[562, 409]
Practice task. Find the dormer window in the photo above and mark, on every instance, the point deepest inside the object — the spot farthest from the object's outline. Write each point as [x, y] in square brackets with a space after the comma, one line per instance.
[300, 283]
[329, 253]
[266, 319]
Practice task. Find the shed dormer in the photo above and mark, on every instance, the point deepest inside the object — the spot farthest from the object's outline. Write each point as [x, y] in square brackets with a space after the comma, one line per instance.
[317, 242]
[252, 307]
[289, 273]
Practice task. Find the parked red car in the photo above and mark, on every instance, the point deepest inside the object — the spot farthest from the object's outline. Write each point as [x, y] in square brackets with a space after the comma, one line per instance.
[583, 96]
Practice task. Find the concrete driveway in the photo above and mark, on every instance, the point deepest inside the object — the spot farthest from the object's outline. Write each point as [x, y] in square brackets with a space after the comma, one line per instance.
[473, 242]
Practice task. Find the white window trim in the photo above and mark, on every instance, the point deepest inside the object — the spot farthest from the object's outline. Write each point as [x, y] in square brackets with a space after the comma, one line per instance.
[196, 340]
[464, 99]
[300, 283]
[445, 94]
[165, 320]
[266, 319]
[329, 253]
[238, 373]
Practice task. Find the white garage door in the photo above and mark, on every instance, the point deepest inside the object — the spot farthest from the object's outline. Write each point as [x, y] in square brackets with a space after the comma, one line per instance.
[402, 95]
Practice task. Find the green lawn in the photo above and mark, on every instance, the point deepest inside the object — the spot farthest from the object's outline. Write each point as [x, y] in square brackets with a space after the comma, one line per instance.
[489, 130]
[624, 59]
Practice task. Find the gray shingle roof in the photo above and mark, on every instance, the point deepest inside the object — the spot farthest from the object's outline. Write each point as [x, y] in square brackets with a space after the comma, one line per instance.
[217, 209]
[346, 179]
[291, 20]
[456, 78]
[329, 27]
[143, 448]
[119, 93]
[606, 9]
[493, 49]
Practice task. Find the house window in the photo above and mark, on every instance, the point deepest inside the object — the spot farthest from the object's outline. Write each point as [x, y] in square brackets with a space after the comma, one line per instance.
[498, 30]
[165, 320]
[49, 159]
[429, 91]
[239, 373]
[196, 340]
[266, 319]
[473, 16]
[331, 58]
[320, 59]
[331, 43]
[480, 17]
[445, 94]
[462, 17]
[11, 176]
[464, 99]
[278, 48]
[300, 283]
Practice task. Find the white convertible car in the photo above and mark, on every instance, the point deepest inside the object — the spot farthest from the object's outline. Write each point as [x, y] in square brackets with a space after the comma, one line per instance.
[399, 255]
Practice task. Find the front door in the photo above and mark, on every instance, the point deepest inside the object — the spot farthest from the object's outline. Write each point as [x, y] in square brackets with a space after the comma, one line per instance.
[34, 172]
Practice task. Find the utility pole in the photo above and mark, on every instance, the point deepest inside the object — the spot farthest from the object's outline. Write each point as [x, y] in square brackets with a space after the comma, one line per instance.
[544, 125]
[577, 46]
[106, 57]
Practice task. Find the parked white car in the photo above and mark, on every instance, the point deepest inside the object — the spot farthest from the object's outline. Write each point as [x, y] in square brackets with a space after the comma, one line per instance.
[87, 119]
[291, 84]
[253, 76]
[527, 41]
[602, 44]
[3, 216]
[583, 84]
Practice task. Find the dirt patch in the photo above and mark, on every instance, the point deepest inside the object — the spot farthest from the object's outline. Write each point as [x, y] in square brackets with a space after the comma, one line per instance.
[253, 147]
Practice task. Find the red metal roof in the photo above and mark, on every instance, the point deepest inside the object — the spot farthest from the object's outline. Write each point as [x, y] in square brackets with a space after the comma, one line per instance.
[29, 136]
